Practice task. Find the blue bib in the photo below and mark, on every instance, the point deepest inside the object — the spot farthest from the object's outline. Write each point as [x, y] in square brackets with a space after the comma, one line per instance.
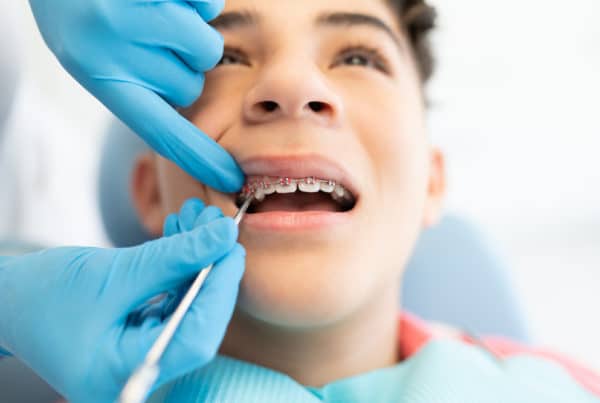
[443, 371]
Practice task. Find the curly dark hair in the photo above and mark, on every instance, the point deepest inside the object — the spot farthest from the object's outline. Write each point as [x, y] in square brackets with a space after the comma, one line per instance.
[418, 19]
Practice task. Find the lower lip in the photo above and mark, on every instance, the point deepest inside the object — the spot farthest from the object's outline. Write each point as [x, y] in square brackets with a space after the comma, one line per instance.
[295, 221]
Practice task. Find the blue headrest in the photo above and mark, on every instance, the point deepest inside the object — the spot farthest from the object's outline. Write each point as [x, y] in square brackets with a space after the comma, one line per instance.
[456, 276]
[119, 153]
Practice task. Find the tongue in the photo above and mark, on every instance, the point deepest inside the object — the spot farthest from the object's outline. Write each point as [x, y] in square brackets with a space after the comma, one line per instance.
[297, 202]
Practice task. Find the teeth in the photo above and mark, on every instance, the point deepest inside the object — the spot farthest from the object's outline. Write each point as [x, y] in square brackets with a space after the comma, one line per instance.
[328, 186]
[267, 186]
[342, 196]
[259, 194]
[309, 185]
[286, 185]
[336, 196]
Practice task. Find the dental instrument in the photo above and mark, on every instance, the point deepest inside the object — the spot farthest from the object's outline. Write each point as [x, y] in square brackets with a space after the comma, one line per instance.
[141, 381]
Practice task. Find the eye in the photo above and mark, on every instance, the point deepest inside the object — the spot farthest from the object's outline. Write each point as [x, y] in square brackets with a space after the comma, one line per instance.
[358, 60]
[232, 56]
[361, 56]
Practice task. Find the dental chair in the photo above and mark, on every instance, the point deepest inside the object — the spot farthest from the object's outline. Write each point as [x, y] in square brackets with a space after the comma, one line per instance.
[455, 275]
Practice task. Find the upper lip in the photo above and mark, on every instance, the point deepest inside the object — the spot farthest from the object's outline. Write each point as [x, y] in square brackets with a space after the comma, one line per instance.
[300, 166]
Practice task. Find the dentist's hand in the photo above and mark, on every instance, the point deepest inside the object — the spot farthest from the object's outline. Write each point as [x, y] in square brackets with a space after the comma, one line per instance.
[193, 214]
[64, 312]
[140, 58]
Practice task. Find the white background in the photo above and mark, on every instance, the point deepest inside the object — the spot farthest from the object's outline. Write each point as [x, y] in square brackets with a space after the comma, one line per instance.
[517, 110]
[515, 106]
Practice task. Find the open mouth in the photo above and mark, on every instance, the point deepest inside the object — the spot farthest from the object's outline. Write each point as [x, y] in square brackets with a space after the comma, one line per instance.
[284, 194]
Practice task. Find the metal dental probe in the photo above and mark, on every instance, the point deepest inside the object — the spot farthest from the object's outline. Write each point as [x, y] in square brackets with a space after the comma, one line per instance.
[141, 381]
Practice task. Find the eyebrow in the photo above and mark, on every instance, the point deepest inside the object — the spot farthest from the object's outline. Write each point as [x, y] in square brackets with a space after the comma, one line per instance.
[233, 20]
[357, 20]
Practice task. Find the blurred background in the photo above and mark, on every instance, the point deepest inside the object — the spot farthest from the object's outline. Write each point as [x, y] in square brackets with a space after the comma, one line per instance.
[515, 106]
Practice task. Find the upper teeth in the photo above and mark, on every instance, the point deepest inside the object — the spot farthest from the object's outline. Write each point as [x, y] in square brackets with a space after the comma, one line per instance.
[268, 185]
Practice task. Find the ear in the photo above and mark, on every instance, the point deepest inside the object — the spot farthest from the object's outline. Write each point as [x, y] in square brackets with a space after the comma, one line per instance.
[145, 192]
[436, 189]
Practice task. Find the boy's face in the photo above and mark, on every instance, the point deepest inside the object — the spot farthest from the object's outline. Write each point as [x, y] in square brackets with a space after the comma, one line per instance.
[313, 88]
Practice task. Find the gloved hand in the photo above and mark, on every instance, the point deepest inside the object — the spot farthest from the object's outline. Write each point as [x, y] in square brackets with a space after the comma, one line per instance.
[64, 311]
[193, 214]
[140, 58]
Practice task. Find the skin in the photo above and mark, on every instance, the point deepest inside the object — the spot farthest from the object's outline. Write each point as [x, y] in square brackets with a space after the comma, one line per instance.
[316, 305]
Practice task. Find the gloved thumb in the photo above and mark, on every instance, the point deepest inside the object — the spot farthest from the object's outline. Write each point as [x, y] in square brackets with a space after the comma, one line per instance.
[172, 136]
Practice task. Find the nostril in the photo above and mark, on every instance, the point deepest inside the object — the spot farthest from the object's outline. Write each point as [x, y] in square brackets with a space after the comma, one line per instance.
[269, 106]
[316, 106]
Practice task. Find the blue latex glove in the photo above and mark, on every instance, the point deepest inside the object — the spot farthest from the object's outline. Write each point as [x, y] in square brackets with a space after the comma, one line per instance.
[64, 312]
[140, 58]
[193, 214]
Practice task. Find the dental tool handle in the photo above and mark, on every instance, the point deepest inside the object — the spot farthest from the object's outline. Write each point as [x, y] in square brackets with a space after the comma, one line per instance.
[140, 383]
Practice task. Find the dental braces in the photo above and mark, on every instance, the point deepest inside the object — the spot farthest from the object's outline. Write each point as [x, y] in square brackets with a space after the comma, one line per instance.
[260, 188]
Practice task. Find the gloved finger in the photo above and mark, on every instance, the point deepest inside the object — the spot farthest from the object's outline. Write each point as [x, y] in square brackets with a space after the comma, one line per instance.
[209, 10]
[193, 214]
[171, 225]
[164, 73]
[203, 328]
[187, 215]
[174, 299]
[209, 214]
[163, 264]
[130, 345]
[178, 27]
[171, 135]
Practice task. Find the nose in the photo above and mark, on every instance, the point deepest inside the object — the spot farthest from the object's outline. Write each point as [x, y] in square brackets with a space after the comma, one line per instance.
[287, 92]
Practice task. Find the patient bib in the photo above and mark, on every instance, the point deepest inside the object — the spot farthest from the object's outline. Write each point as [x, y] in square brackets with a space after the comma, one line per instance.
[442, 371]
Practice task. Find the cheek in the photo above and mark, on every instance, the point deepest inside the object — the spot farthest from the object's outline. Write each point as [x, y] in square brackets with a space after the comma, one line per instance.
[390, 125]
[220, 106]
[176, 187]
[392, 133]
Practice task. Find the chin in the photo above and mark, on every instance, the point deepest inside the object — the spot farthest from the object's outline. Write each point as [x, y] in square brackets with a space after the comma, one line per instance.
[304, 290]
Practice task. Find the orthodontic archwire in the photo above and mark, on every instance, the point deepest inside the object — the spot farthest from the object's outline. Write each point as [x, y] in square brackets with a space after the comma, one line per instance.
[261, 187]
[140, 383]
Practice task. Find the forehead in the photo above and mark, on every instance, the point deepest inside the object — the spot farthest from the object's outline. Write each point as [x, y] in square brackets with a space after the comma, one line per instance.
[286, 13]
